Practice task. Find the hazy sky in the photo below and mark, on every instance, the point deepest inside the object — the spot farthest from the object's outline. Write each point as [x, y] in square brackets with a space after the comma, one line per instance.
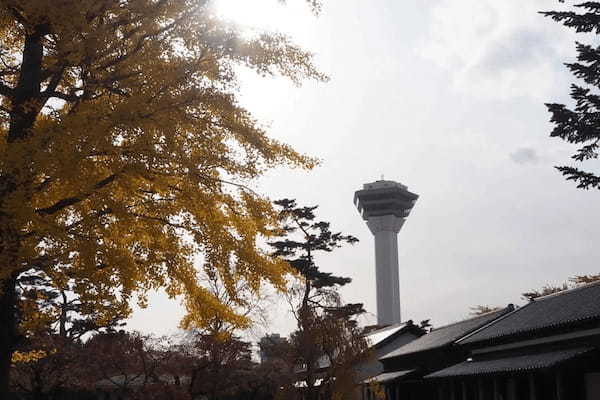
[447, 97]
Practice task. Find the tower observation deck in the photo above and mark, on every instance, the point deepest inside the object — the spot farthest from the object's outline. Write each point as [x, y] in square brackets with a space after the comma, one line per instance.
[385, 205]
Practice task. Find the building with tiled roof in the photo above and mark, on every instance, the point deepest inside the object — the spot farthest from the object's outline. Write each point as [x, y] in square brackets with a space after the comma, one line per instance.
[436, 349]
[579, 307]
[385, 340]
[548, 349]
[445, 336]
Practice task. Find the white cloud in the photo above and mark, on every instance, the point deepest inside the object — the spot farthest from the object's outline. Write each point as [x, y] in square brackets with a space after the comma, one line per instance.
[498, 49]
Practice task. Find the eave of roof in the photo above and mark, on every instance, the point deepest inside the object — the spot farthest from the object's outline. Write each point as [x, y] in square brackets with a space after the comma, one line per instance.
[510, 364]
[546, 340]
[383, 336]
[388, 376]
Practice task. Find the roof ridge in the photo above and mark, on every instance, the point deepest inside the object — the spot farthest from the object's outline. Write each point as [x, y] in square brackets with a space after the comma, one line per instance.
[551, 312]
[567, 291]
[511, 309]
[468, 319]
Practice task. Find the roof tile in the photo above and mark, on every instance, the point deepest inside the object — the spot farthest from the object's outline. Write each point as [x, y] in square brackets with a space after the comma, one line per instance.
[559, 309]
[445, 335]
[510, 364]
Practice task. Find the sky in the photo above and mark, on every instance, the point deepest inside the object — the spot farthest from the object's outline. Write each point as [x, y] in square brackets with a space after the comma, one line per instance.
[446, 97]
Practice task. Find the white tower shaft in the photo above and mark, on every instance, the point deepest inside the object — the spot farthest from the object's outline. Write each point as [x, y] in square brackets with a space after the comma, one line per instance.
[385, 205]
[385, 230]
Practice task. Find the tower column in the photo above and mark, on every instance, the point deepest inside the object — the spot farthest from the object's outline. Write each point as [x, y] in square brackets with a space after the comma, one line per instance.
[385, 230]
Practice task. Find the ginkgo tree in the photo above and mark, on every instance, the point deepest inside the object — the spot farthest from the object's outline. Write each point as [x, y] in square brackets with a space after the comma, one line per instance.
[124, 154]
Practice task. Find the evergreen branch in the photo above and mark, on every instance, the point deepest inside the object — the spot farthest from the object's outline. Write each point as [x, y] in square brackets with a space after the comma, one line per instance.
[584, 180]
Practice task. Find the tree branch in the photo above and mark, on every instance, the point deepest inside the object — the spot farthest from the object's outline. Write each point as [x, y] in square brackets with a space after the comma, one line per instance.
[59, 95]
[54, 81]
[6, 91]
[69, 201]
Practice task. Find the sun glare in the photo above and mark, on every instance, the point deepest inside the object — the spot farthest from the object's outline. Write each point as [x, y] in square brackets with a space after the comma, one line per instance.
[252, 14]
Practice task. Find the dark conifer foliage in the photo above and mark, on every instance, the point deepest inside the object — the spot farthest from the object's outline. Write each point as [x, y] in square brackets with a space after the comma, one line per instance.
[580, 124]
[327, 343]
[299, 251]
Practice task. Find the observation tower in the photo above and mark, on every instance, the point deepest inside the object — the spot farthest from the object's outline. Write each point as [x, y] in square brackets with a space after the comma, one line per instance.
[385, 205]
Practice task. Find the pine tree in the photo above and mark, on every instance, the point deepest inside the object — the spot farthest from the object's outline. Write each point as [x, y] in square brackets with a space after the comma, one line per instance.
[326, 330]
[580, 124]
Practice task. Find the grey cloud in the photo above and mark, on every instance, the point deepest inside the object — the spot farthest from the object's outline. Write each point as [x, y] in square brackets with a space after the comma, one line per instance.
[525, 155]
[520, 49]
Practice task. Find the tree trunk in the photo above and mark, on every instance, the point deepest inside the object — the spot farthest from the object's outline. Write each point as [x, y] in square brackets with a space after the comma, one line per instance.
[26, 103]
[8, 331]
[306, 324]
